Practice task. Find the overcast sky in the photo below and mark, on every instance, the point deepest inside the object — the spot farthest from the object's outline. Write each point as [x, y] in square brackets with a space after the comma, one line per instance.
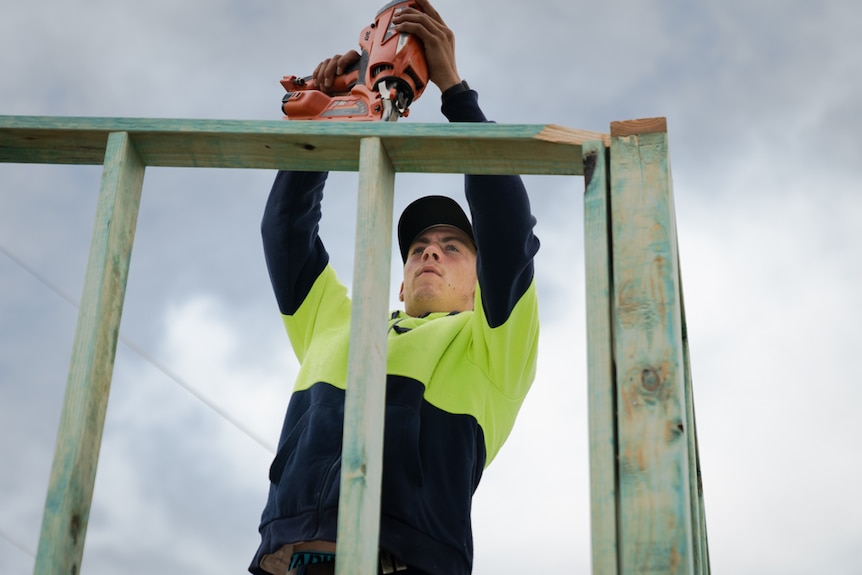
[764, 107]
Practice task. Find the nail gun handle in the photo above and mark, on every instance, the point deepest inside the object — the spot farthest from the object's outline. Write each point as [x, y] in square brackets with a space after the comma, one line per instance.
[342, 83]
[352, 75]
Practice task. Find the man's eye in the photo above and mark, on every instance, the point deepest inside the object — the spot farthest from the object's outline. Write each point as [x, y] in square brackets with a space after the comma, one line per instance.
[418, 250]
[452, 248]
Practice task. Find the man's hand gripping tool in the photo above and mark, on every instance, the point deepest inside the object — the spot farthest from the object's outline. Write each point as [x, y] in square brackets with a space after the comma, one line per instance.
[390, 75]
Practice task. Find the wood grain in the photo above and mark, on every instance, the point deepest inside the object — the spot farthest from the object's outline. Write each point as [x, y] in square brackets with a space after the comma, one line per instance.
[639, 126]
[479, 148]
[364, 408]
[655, 532]
[70, 489]
[600, 370]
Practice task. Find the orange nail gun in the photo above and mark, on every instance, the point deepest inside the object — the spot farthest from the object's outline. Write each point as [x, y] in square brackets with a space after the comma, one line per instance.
[390, 75]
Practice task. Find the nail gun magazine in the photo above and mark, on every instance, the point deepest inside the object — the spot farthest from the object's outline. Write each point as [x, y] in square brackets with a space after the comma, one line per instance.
[390, 75]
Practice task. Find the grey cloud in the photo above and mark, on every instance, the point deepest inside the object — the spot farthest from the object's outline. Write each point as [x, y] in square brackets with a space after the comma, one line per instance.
[763, 104]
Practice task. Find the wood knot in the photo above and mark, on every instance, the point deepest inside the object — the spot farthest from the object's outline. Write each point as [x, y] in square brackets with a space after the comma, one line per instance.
[650, 379]
[675, 430]
[75, 528]
[589, 167]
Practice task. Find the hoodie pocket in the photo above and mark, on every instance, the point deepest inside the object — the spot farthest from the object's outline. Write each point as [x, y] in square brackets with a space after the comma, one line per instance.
[302, 469]
[287, 447]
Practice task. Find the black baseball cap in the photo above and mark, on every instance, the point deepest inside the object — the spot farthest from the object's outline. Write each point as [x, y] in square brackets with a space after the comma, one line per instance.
[428, 212]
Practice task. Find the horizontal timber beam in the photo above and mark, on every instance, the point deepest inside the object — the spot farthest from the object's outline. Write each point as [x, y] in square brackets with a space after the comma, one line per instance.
[477, 148]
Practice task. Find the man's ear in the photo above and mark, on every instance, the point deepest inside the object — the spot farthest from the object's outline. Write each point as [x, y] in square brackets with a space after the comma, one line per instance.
[401, 292]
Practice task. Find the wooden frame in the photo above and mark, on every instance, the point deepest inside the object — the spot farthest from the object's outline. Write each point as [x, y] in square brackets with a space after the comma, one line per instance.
[647, 504]
[647, 507]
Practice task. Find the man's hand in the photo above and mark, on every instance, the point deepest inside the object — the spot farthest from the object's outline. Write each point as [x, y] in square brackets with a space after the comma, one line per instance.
[326, 71]
[428, 26]
[439, 41]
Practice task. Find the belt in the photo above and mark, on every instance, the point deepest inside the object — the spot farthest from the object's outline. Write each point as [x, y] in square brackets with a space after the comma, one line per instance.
[323, 563]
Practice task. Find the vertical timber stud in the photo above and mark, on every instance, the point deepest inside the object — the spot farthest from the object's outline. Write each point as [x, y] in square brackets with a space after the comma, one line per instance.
[70, 490]
[655, 523]
[698, 513]
[600, 374]
[362, 455]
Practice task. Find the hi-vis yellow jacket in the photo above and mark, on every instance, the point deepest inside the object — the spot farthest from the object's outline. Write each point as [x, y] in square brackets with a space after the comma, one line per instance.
[455, 381]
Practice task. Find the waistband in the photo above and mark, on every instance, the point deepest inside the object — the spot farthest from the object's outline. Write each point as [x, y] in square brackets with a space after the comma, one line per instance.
[323, 563]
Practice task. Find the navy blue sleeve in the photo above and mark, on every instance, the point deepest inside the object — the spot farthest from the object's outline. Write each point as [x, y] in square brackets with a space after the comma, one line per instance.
[502, 225]
[295, 255]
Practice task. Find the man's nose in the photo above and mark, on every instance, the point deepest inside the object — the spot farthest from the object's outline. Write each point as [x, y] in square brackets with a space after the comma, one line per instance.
[431, 251]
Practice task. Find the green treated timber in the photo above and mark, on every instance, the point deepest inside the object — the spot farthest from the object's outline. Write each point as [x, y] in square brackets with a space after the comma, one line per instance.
[647, 509]
[698, 514]
[655, 531]
[600, 388]
[70, 489]
[364, 404]
[483, 148]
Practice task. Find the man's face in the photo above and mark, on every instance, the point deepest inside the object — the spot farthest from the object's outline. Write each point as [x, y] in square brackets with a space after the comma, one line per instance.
[440, 272]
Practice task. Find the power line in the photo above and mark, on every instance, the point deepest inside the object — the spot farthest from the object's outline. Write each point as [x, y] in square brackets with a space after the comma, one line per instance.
[146, 357]
[15, 543]
[149, 358]
[197, 395]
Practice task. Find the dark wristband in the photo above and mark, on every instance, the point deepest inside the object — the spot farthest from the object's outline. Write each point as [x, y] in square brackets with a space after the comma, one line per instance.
[461, 86]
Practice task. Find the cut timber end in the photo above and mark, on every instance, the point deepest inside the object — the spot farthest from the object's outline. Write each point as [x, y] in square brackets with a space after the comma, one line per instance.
[642, 126]
[561, 135]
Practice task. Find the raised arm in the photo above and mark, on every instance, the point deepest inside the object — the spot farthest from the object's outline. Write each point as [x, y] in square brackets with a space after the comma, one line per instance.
[500, 208]
[295, 255]
[502, 225]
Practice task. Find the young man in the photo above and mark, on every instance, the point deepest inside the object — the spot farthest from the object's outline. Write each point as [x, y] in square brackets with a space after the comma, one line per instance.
[461, 356]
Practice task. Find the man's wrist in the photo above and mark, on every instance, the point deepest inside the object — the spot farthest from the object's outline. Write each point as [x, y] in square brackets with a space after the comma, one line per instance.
[455, 89]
